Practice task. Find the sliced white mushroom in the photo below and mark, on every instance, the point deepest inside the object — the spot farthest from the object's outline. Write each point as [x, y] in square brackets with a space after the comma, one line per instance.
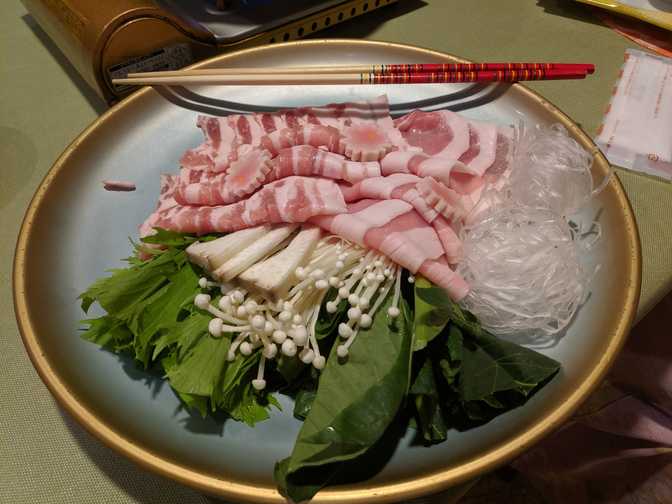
[211, 255]
[272, 277]
[262, 247]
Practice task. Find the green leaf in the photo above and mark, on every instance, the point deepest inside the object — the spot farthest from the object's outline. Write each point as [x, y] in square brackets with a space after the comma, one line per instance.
[199, 372]
[120, 293]
[249, 408]
[183, 334]
[108, 332]
[194, 402]
[164, 310]
[356, 401]
[328, 322]
[303, 403]
[169, 238]
[446, 308]
[429, 420]
[429, 321]
[235, 394]
[491, 365]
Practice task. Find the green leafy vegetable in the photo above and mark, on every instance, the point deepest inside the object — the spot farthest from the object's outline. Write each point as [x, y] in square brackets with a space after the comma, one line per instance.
[435, 363]
[355, 403]
[328, 322]
[429, 321]
[150, 311]
[198, 373]
[429, 419]
[303, 403]
[486, 375]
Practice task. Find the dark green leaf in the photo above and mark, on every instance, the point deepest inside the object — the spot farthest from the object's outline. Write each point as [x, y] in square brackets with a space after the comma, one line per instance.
[450, 355]
[328, 322]
[303, 403]
[356, 401]
[425, 393]
[290, 368]
[491, 365]
[429, 321]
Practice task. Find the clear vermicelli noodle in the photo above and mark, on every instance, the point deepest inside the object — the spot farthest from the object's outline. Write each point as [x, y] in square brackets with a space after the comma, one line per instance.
[550, 169]
[521, 253]
[525, 276]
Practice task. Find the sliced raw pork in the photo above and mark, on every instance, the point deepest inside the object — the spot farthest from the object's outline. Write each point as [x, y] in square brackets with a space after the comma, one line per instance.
[293, 199]
[254, 169]
[395, 229]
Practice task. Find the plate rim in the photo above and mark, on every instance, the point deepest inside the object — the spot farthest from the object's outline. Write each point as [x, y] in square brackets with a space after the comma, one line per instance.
[432, 482]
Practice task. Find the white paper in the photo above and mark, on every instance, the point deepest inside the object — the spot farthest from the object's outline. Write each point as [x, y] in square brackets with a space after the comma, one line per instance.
[636, 132]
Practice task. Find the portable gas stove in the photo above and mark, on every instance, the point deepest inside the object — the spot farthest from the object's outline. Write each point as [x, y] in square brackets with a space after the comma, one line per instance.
[109, 39]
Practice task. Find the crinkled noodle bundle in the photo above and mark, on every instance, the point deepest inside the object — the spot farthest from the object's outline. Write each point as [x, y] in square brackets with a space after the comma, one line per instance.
[522, 254]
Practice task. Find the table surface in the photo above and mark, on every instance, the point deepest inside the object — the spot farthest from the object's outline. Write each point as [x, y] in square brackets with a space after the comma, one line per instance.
[44, 455]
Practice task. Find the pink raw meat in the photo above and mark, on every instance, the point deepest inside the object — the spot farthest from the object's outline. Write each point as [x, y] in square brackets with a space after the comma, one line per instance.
[395, 229]
[365, 142]
[307, 160]
[245, 175]
[294, 199]
[482, 148]
[166, 201]
[225, 135]
[310, 134]
[118, 185]
[406, 187]
[417, 163]
[441, 133]
[254, 169]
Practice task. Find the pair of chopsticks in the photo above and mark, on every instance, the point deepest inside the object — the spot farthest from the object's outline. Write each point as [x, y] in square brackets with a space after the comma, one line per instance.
[365, 74]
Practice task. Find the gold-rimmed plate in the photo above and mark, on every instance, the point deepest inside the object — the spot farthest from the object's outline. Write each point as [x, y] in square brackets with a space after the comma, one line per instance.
[73, 231]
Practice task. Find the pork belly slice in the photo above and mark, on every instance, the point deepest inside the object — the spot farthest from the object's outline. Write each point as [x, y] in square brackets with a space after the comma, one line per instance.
[306, 160]
[290, 200]
[245, 175]
[415, 162]
[166, 201]
[365, 142]
[256, 168]
[441, 133]
[409, 188]
[224, 136]
[482, 149]
[395, 229]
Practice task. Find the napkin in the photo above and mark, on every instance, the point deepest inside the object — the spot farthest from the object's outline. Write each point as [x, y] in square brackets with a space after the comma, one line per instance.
[636, 132]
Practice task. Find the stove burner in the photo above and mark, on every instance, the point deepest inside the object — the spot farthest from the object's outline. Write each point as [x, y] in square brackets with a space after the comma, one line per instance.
[231, 20]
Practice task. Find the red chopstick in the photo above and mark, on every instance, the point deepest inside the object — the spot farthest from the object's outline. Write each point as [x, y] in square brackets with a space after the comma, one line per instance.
[366, 74]
[471, 67]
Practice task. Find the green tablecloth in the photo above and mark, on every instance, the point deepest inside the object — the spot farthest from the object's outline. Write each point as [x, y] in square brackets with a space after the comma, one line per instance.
[44, 455]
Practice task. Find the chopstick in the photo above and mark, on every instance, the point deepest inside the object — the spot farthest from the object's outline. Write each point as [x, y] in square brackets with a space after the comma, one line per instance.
[374, 69]
[356, 78]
